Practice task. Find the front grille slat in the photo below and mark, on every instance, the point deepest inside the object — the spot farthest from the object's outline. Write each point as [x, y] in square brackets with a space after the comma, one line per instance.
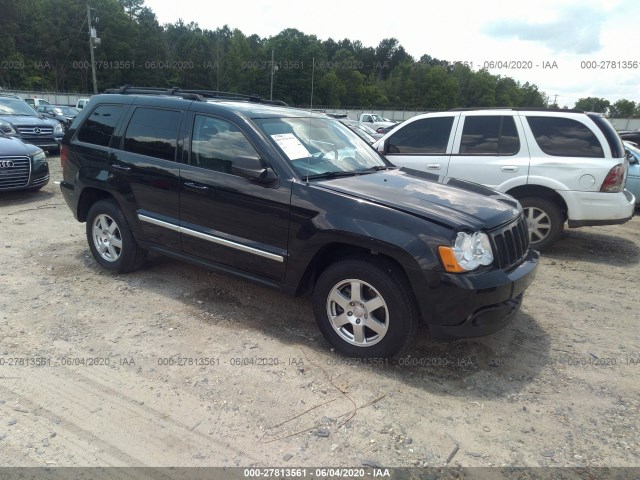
[511, 243]
[36, 131]
[16, 174]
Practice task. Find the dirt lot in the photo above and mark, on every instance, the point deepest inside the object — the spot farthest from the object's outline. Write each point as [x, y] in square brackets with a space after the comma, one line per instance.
[175, 365]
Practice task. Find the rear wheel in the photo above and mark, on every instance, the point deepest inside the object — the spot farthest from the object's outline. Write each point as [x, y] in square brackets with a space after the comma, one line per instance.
[110, 238]
[545, 221]
[365, 308]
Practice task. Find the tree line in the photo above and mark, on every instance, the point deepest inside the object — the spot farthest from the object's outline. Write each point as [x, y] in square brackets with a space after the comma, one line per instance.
[45, 46]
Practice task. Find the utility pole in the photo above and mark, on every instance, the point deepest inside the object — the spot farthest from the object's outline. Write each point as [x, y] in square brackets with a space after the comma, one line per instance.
[92, 36]
[272, 69]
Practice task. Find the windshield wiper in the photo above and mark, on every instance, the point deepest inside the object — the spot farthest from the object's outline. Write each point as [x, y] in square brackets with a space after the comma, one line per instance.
[330, 174]
[376, 168]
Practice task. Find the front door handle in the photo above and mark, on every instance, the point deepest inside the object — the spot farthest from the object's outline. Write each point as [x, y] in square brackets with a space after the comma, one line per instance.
[434, 166]
[509, 168]
[118, 166]
[196, 186]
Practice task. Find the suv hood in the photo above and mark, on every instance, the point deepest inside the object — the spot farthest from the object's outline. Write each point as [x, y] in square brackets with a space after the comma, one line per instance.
[25, 120]
[465, 205]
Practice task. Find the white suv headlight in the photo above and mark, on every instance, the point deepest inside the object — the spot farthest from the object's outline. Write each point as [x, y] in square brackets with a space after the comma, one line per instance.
[58, 128]
[468, 252]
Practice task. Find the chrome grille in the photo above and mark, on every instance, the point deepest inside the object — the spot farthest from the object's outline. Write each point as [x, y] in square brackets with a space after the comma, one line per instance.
[511, 243]
[35, 131]
[14, 172]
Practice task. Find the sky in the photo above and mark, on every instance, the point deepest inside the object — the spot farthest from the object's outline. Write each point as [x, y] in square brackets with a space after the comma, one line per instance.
[569, 49]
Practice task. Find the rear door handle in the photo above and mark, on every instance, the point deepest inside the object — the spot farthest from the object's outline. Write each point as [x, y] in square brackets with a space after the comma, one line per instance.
[118, 166]
[509, 168]
[434, 166]
[196, 186]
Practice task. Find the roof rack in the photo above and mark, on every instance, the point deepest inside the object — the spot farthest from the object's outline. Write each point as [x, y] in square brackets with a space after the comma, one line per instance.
[197, 95]
[519, 109]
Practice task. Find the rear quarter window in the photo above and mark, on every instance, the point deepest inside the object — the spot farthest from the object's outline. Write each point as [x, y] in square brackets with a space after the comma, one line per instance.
[564, 137]
[99, 125]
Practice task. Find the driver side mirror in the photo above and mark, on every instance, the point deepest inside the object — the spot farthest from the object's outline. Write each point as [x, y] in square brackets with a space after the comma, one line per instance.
[253, 168]
[631, 158]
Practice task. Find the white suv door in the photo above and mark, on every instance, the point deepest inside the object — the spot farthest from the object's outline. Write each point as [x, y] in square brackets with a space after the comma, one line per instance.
[489, 148]
[423, 143]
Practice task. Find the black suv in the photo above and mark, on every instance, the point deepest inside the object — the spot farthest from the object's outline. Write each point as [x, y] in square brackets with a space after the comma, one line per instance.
[19, 119]
[22, 166]
[296, 201]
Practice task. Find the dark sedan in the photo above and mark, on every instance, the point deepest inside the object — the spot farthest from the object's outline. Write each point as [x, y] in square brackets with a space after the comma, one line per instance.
[22, 166]
[62, 113]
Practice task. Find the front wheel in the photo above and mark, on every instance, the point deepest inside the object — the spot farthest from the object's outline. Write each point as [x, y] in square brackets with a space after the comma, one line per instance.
[110, 238]
[365, 308]
[545, 221]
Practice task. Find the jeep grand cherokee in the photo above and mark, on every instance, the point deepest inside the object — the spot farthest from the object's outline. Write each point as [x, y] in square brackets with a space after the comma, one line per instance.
[295, 201]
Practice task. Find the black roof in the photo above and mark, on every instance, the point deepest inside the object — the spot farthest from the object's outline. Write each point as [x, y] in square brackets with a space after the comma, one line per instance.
[196, 95]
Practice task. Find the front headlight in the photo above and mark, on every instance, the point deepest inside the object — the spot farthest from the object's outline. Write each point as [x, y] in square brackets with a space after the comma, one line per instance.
[38, 159]
[7, 128]
[468, 252]
[58, 128]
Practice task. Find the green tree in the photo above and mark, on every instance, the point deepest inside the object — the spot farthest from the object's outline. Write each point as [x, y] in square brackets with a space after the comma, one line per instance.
[623, 109]
[593, 104]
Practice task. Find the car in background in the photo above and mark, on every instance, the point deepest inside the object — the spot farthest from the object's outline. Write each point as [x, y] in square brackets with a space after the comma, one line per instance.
[384, 130]
[375, 121]
[62, 113]
[18, 119]
[630, 135]
[80, 104]
[363, 131]
[22, 166]
[633, 177]
[564, 166]
[36, 102]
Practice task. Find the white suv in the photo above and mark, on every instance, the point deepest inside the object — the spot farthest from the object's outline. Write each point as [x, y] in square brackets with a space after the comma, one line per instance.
[562, 165]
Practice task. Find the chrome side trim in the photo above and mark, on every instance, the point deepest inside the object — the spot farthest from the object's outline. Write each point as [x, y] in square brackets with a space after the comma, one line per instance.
[212, 238]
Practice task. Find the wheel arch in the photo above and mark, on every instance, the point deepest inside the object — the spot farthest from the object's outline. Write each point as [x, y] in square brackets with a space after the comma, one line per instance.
[523, 191]
[333, 252]
[89, 196]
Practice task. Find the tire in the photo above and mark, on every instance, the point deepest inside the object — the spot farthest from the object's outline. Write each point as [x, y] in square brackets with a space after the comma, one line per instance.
[110, 238]
[54, 151]
[387, 300]
[545, 221]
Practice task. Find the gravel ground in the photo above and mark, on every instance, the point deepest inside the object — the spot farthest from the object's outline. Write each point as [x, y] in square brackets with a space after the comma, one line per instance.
[174, 365]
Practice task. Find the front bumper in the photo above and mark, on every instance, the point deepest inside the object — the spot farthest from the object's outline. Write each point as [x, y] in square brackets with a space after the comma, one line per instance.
[477, 304]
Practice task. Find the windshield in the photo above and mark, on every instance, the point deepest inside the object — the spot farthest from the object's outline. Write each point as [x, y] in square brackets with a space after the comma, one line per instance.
[10, 106]
[377, 118]
[317, 146]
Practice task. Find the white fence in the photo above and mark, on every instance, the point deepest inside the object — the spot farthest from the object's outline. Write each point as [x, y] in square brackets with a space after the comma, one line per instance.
[353, 113]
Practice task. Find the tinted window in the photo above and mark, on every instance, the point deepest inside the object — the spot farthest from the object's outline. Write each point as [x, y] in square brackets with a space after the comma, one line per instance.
[98, 127]
[564, 137]
[153, 132]
[429, 135]
[217, 143]
[489, 135]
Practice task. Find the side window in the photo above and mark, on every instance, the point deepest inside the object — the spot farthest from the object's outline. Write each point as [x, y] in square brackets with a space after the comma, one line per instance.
[429, 135]
[564, 137]
[153, 132]
[99, 125]
[216, 143]
[489, 135]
